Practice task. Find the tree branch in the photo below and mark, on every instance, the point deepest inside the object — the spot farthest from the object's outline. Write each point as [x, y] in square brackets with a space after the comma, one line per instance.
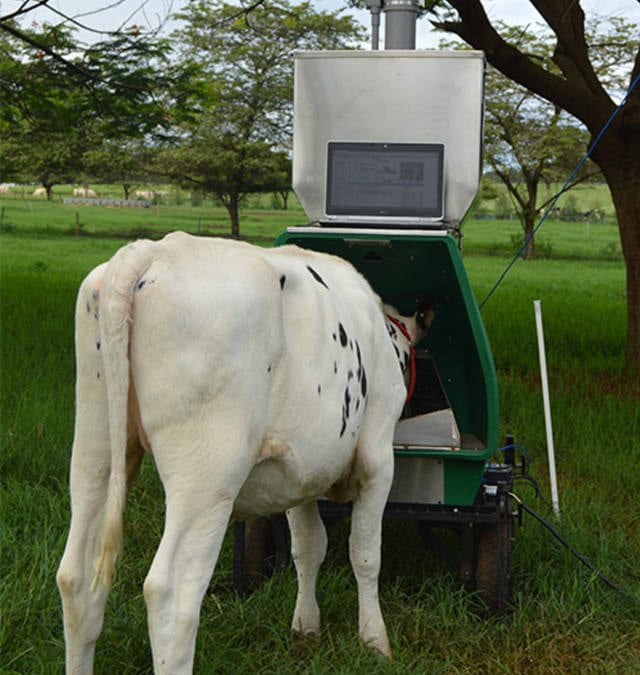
[566, 20]
[25, 37]
[24, 8]
[576, 97]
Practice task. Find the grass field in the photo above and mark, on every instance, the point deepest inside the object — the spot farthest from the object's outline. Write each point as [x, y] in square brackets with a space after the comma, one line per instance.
[564, 620]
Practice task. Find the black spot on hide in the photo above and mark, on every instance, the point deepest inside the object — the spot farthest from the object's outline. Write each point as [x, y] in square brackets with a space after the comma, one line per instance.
[319, 390]
[333, 335]
[359, 373]
[140, 285]
[345, 411]
[317, 277]
[363, 384]
[283, 278]
[350, 375]
[335, 367]
[88, 308]
[98, 345]
[98, 375]
[269, 369]
[343, 335]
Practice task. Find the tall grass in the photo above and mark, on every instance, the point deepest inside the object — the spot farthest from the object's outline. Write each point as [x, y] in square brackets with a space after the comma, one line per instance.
[564, 619]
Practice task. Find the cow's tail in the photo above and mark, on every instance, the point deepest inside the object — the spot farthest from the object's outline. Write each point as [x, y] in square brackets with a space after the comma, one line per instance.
[116, 302]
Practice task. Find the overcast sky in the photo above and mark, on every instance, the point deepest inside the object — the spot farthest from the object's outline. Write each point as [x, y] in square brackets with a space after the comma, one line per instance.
[112, 14]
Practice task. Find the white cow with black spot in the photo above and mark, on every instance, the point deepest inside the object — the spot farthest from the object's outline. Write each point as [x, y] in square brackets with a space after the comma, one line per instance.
[259, 380]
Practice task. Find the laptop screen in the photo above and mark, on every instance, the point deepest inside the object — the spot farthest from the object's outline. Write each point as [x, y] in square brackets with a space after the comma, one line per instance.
[385, 179]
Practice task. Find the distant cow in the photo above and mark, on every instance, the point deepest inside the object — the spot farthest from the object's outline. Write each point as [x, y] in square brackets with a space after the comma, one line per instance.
[593, 215]
[39, 192]
[259, 380]
[84, 192]
[150, 195]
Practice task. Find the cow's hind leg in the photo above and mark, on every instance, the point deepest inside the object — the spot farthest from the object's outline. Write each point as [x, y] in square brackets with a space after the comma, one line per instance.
[376, 471]
[201, 483]
[308, 548]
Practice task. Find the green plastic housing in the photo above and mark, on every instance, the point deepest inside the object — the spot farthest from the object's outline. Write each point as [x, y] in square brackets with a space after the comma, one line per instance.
[401, 266]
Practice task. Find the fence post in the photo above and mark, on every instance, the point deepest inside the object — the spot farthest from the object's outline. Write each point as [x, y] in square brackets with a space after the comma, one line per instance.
[547, 408]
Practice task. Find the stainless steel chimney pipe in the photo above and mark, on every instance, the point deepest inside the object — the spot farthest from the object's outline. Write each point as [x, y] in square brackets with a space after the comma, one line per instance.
[400, 17]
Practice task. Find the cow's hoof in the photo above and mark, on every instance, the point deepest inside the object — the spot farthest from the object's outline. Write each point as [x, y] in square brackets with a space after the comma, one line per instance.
[304, 644]
[381, 646]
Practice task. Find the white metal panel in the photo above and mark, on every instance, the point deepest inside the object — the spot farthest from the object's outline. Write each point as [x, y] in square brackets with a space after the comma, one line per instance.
[388, 97]
[418, 480]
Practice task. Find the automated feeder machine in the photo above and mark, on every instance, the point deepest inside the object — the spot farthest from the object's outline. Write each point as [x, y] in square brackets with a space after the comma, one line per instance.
[386, 163]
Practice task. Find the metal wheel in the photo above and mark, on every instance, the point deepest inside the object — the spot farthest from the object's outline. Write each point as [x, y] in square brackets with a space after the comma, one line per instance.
[493, 564]
[260, 548]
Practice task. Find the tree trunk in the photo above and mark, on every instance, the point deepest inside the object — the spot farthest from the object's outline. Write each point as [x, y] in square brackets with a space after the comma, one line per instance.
[620, 163]
[529, 252]
[232, 202]
[530, 214]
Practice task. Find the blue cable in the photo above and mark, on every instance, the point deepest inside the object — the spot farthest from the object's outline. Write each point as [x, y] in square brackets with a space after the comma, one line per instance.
[564, 188]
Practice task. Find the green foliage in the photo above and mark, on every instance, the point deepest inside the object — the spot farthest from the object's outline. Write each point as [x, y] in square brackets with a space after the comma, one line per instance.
[61, 101]
[125, 162]
[248, 58]
[238, 143]
[530, 141]
[42, 115]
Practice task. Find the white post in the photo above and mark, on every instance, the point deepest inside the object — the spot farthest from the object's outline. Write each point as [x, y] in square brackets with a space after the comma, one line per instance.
[547, 409]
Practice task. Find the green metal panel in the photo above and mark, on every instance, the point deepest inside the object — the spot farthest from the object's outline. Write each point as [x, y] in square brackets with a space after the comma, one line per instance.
[462, 480]
[401, 266]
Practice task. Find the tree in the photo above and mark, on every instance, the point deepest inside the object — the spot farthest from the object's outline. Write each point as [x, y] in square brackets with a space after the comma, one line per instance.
[127, 162]
[235, 144]
[213, 163]
[527, 139]
[45, 127]
[582, 83]
[60, 100]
